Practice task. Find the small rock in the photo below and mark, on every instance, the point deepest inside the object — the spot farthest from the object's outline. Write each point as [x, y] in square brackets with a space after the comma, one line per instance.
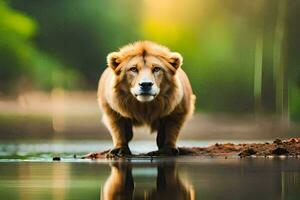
[293, 140]
[280, 151]
[247, 152]
[56, 158]
[277, 141]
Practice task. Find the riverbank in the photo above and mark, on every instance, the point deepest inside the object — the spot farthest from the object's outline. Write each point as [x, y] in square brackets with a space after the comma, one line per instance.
[284, 148]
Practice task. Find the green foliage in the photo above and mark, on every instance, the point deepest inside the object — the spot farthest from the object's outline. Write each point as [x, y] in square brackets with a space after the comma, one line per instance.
[15, 30]
[22, 64]
[294, 102]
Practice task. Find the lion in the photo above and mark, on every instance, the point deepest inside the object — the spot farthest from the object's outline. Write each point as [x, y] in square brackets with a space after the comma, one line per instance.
[144, 84]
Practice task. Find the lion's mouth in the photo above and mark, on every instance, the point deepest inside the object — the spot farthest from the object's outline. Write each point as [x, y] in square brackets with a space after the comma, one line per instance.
[145, 94]
[145, 97]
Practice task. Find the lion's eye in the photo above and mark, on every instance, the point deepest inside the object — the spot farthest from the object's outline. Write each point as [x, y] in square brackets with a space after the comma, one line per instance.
[156, 69]
[133, 69]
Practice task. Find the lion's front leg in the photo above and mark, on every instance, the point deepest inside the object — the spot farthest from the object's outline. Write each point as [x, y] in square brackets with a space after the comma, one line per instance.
[167, 134]
[120, 129]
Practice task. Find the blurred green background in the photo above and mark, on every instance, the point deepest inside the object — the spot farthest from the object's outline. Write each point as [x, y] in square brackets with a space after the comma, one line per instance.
[242, 58]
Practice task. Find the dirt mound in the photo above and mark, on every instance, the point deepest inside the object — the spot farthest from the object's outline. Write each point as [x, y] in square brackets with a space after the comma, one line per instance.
[289, 147]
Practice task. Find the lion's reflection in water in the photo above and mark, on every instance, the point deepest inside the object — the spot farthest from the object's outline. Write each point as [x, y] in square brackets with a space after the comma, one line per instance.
[169, 184]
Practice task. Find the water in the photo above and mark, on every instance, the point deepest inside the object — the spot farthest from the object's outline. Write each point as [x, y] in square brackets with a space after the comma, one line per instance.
[33, 175]
[45, 150]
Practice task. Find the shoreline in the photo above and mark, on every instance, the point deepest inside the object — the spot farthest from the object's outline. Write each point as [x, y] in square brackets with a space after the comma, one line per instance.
[284, 148]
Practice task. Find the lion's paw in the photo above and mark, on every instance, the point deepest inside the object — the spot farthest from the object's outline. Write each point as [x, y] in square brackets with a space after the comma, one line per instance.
[166, 151]
[119, 152]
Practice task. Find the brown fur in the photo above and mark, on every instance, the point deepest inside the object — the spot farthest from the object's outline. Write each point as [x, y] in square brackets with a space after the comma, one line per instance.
[166, 113]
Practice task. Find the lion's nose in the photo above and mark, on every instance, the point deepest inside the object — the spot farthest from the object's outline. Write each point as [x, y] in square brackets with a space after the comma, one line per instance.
[146, 85]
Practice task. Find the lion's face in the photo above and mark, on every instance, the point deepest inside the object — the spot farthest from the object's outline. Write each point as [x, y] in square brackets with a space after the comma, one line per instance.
[145, 75]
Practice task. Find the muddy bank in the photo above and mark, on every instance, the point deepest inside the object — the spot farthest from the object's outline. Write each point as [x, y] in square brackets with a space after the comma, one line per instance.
[288, 147]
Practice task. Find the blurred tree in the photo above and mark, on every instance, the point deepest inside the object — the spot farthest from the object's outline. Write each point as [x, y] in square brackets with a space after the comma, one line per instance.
[15, 32]
[23, 66]
[292, 52]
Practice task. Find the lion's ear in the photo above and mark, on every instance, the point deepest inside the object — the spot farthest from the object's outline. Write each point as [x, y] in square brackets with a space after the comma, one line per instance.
[113, 60]
[175, 60]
